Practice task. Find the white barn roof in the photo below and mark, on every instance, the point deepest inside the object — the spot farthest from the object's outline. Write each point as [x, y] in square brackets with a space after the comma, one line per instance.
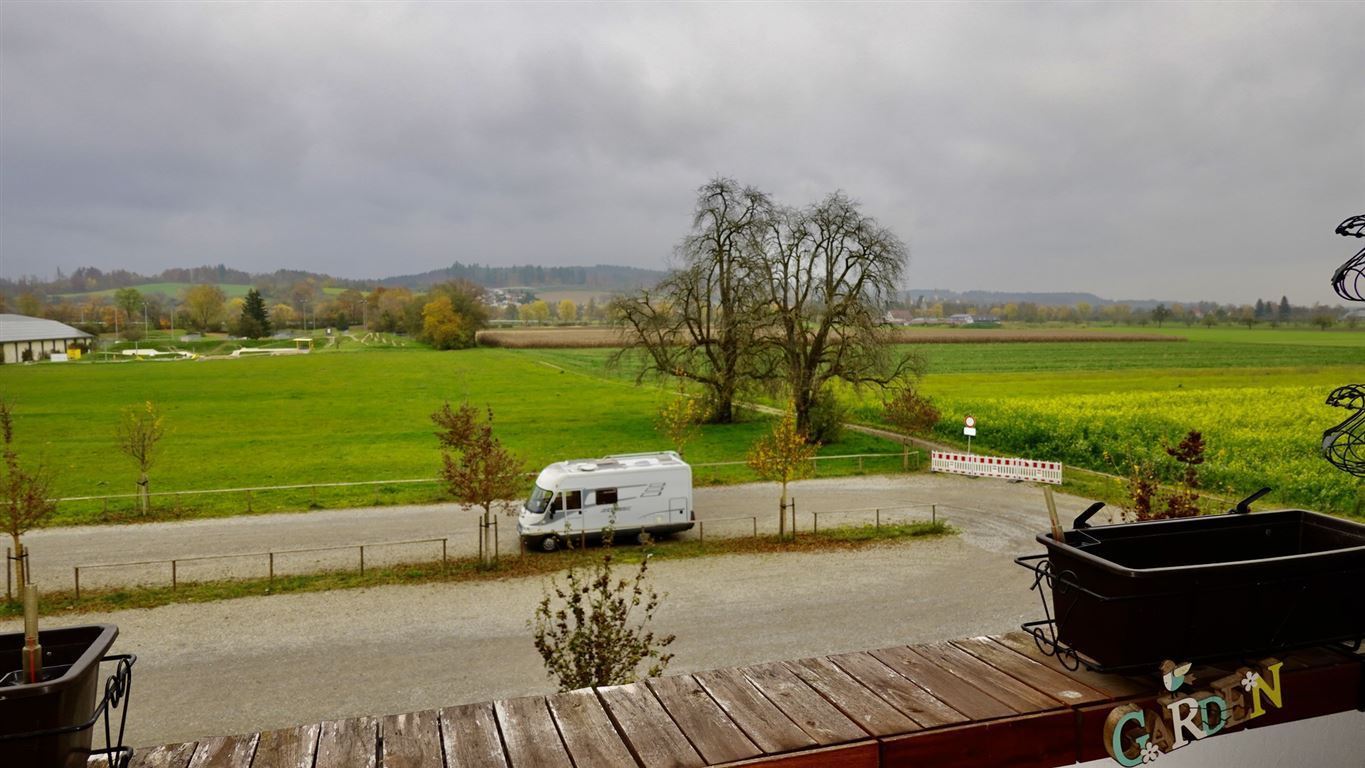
[22, 328]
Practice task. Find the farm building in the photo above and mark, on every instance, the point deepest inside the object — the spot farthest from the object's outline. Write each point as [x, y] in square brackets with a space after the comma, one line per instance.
[31, 337]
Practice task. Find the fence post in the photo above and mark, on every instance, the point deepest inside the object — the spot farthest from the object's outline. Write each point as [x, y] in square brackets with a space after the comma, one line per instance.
[248, 501]
[933, 514]
[905, 457]
[482, 526]
[444, 543]
[793, 518]
[362, 559]
[314, 501]
[815, 522]
[173, 576]
[701, 531]
[879, 518]
[78, 582]
[9, 575]
[860, 465]
[272, 569]
[495, 540]
[755, 518]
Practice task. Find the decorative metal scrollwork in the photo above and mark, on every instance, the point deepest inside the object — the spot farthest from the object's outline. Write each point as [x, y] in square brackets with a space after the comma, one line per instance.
[1349, 279]
[1352, 227]
[1344, 445]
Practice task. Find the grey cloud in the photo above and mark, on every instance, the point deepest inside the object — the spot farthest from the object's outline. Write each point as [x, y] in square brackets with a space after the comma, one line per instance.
[1199, 151]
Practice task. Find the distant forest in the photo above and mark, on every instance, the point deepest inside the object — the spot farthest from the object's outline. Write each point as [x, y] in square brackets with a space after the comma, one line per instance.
[603, 277]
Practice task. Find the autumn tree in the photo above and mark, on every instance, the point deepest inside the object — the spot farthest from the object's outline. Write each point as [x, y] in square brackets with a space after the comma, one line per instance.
[678, 420]
[476, 468]
[826, 273]
[592, 628]
[912, 412]
[783, 455]
[139, 431]
[703, 322]
[1189, 452]
[129, 301]
[25, 492]
[453, 316]
[1160, 314]
[204, 306]
[535, 312]
[567, 311]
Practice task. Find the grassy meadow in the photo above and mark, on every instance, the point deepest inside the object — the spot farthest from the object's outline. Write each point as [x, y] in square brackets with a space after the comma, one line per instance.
[337, 417]
[1256, 395]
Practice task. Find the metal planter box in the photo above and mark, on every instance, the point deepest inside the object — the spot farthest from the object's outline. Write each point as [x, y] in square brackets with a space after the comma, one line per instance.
[1194, 589]
[50, 724]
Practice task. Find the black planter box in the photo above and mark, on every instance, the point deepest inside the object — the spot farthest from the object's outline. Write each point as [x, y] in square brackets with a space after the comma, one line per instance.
[65, 701]
[1202, 588]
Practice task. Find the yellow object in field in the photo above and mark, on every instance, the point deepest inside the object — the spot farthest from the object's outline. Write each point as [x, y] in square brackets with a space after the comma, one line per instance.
[74, 353]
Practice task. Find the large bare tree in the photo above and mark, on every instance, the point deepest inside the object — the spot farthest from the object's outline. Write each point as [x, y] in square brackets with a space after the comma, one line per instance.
[827, 272]
[703, 321]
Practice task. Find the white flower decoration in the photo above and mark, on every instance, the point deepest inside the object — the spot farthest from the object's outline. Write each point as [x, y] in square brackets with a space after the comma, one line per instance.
[1150, 753]
[1249, 680]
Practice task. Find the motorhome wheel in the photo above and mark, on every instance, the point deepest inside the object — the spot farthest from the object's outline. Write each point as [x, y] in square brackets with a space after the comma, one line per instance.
[549, 543]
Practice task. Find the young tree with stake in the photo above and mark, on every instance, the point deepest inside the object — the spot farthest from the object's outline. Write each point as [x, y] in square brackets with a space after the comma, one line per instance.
[140, 429]
[24, 492]
[476, 468]
[783, 455]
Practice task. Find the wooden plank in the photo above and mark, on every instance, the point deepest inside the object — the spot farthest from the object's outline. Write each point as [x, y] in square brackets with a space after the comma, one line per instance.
[349, 743]
[702, 720]
[942, 684]
[528, 730]
[225, 752]
[909, 698]
[864, 754]
[759, 718]
[288, 747]
[587, 730]
[169, 756]
[820, 720]
[1030, 672]
[1114, 686]
[469, 734]
[861, 705]
[650, 733]
[1035, 741]
[411, 740]
[991, 681]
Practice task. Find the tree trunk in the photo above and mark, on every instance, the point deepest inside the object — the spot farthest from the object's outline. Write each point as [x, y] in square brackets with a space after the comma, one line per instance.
[782, 515]
[723, 407]
[18, 565]
[143, 499]
[489, 557]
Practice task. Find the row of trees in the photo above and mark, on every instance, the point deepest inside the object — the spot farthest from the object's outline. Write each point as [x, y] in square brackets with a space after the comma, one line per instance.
[768, 296]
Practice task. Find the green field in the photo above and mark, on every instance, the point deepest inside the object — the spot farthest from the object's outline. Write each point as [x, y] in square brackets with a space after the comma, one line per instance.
[337, 417]
[1257, 395]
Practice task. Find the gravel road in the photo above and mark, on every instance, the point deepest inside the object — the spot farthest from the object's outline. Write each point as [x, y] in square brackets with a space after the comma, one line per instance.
[259, 663]
[987, 511]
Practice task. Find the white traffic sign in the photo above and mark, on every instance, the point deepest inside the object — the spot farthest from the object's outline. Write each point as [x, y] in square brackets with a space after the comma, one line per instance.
[969, 431]
[971, 422]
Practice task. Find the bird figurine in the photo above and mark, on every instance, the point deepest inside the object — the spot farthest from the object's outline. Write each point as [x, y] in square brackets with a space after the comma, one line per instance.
[1175, 676]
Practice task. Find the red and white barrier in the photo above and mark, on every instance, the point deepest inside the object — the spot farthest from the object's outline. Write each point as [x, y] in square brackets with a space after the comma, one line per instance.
[994, 466]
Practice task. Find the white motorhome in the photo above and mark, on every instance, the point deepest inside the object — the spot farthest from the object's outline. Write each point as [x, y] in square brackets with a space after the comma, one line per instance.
[633, 494]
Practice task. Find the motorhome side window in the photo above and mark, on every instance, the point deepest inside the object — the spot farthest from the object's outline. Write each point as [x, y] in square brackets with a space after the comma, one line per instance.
[573, 500]
[605, 496]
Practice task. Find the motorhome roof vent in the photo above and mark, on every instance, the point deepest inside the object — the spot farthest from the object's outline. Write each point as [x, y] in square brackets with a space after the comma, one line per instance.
[587, 467]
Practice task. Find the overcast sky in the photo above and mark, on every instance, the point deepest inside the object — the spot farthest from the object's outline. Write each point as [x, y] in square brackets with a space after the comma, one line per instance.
[1168, 151]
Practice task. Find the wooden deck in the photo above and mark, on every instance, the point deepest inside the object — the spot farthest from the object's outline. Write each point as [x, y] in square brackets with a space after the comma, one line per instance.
[986, 701]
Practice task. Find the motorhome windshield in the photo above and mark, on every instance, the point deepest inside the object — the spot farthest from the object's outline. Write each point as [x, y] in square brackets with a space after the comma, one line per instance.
[539, 501]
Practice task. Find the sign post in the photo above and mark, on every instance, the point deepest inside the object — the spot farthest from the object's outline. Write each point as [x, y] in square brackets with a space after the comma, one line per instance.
[970, 432]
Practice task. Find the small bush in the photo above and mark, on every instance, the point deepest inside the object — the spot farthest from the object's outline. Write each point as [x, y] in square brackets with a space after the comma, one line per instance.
[826, 418]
